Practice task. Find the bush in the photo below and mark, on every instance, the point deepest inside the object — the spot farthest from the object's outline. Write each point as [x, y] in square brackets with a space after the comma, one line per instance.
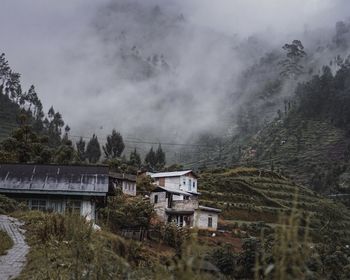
[5, 242]
[224, 258]
[123, 212]
[7, 205]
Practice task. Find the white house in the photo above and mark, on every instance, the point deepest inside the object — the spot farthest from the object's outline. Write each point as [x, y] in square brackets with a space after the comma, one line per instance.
[175, 199]
[177, 180]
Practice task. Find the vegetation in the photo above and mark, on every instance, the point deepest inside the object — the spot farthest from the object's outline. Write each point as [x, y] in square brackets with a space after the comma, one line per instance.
[248, 196]
[8, 205]
[5, 242]
[155, 160]
[114, 146]
[127, 212]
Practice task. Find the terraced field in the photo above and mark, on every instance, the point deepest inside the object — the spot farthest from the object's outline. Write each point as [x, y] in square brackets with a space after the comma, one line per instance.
[311, 152]
[252, 195]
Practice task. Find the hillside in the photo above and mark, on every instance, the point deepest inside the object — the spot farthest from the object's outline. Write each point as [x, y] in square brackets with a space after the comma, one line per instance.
[312, 152]
[248, 195]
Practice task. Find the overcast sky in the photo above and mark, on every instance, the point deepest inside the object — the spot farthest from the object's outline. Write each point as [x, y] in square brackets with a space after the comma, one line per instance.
[58, 47]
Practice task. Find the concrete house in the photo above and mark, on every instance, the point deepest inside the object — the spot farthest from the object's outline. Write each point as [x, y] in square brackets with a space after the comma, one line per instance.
[56, 188]
[178, 180]
[175, 199]
[125, 182]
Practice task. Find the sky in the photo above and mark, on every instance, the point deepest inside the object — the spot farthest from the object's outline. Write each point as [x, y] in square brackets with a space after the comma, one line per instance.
[79, 56]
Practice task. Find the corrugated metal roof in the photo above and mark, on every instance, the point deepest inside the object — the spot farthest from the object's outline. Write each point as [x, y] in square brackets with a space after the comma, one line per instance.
[179, 212]
[210, 209]
[170, 174]
[174, 191]
[70, 179]
[123, 176]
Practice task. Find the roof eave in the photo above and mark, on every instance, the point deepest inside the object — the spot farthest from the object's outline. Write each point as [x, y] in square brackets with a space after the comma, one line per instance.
[53, 192]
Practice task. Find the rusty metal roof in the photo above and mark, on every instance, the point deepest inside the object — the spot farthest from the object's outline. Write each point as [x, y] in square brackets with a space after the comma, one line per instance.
[54, 179]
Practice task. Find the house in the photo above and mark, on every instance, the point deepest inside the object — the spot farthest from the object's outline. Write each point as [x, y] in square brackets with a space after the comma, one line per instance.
[56, 188]
[125, 182]
[179, 180]
[175, 199]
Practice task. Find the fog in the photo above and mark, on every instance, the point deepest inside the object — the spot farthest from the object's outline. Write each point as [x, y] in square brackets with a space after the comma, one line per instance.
[158, 70]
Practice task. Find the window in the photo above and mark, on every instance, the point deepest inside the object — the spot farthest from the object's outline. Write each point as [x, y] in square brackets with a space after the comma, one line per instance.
[38, 204]
[184, 181]
[194, 184]
[156, 198]
[162, 182]
[73, 206]
[210, 222]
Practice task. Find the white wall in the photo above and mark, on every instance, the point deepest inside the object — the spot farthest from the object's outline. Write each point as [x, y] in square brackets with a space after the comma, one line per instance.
[172, 182]
[161, 205]
[201, 219]
[180, 183]
[129, 188]
[185, 184]
[88, 209]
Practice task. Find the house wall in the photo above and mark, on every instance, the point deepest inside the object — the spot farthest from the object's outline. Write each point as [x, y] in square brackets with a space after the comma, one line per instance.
[172, 183]
[185, 205]
[88, 209]
[84, 205]
[201, 219]
[129, 188]
[161, 205]
[184, 183]
[188, 183]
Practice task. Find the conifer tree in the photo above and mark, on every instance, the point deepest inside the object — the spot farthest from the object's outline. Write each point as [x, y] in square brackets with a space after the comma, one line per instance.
[81, 149]
[160, 157]
[135, 159]
[93, 150]
[151, 160]
[114, 146]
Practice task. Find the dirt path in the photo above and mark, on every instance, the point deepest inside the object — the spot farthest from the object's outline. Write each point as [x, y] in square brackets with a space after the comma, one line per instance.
[13, 262]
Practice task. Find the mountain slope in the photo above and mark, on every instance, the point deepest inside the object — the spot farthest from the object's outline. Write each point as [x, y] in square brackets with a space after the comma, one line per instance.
[253, 195]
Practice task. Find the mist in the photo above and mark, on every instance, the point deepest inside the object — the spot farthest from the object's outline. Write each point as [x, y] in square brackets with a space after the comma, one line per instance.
[160, 70]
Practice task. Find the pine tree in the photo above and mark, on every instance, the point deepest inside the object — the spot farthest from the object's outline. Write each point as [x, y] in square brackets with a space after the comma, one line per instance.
[114, 146]
[81, 149]
[292, 65]
[93, 150]
[151, 160]
[135, 159]
[160, 158]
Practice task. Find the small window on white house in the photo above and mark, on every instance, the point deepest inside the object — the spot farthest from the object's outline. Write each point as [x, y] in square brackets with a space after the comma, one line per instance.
[194, 184]
[156, 198]
[210, 222]
[184, 181]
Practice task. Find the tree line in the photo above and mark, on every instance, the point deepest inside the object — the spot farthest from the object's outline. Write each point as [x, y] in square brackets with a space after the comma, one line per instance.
[112, 151]
[44, 138]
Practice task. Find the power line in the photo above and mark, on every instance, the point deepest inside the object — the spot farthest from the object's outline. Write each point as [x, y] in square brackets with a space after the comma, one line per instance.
[149, 142]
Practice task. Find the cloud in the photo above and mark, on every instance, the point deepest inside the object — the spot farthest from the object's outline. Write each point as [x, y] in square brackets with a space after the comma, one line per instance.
[155, 69]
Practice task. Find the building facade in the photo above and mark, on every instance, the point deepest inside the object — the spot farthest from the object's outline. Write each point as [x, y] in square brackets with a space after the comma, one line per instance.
[175, 199]
[125, 182]
[58, 188]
